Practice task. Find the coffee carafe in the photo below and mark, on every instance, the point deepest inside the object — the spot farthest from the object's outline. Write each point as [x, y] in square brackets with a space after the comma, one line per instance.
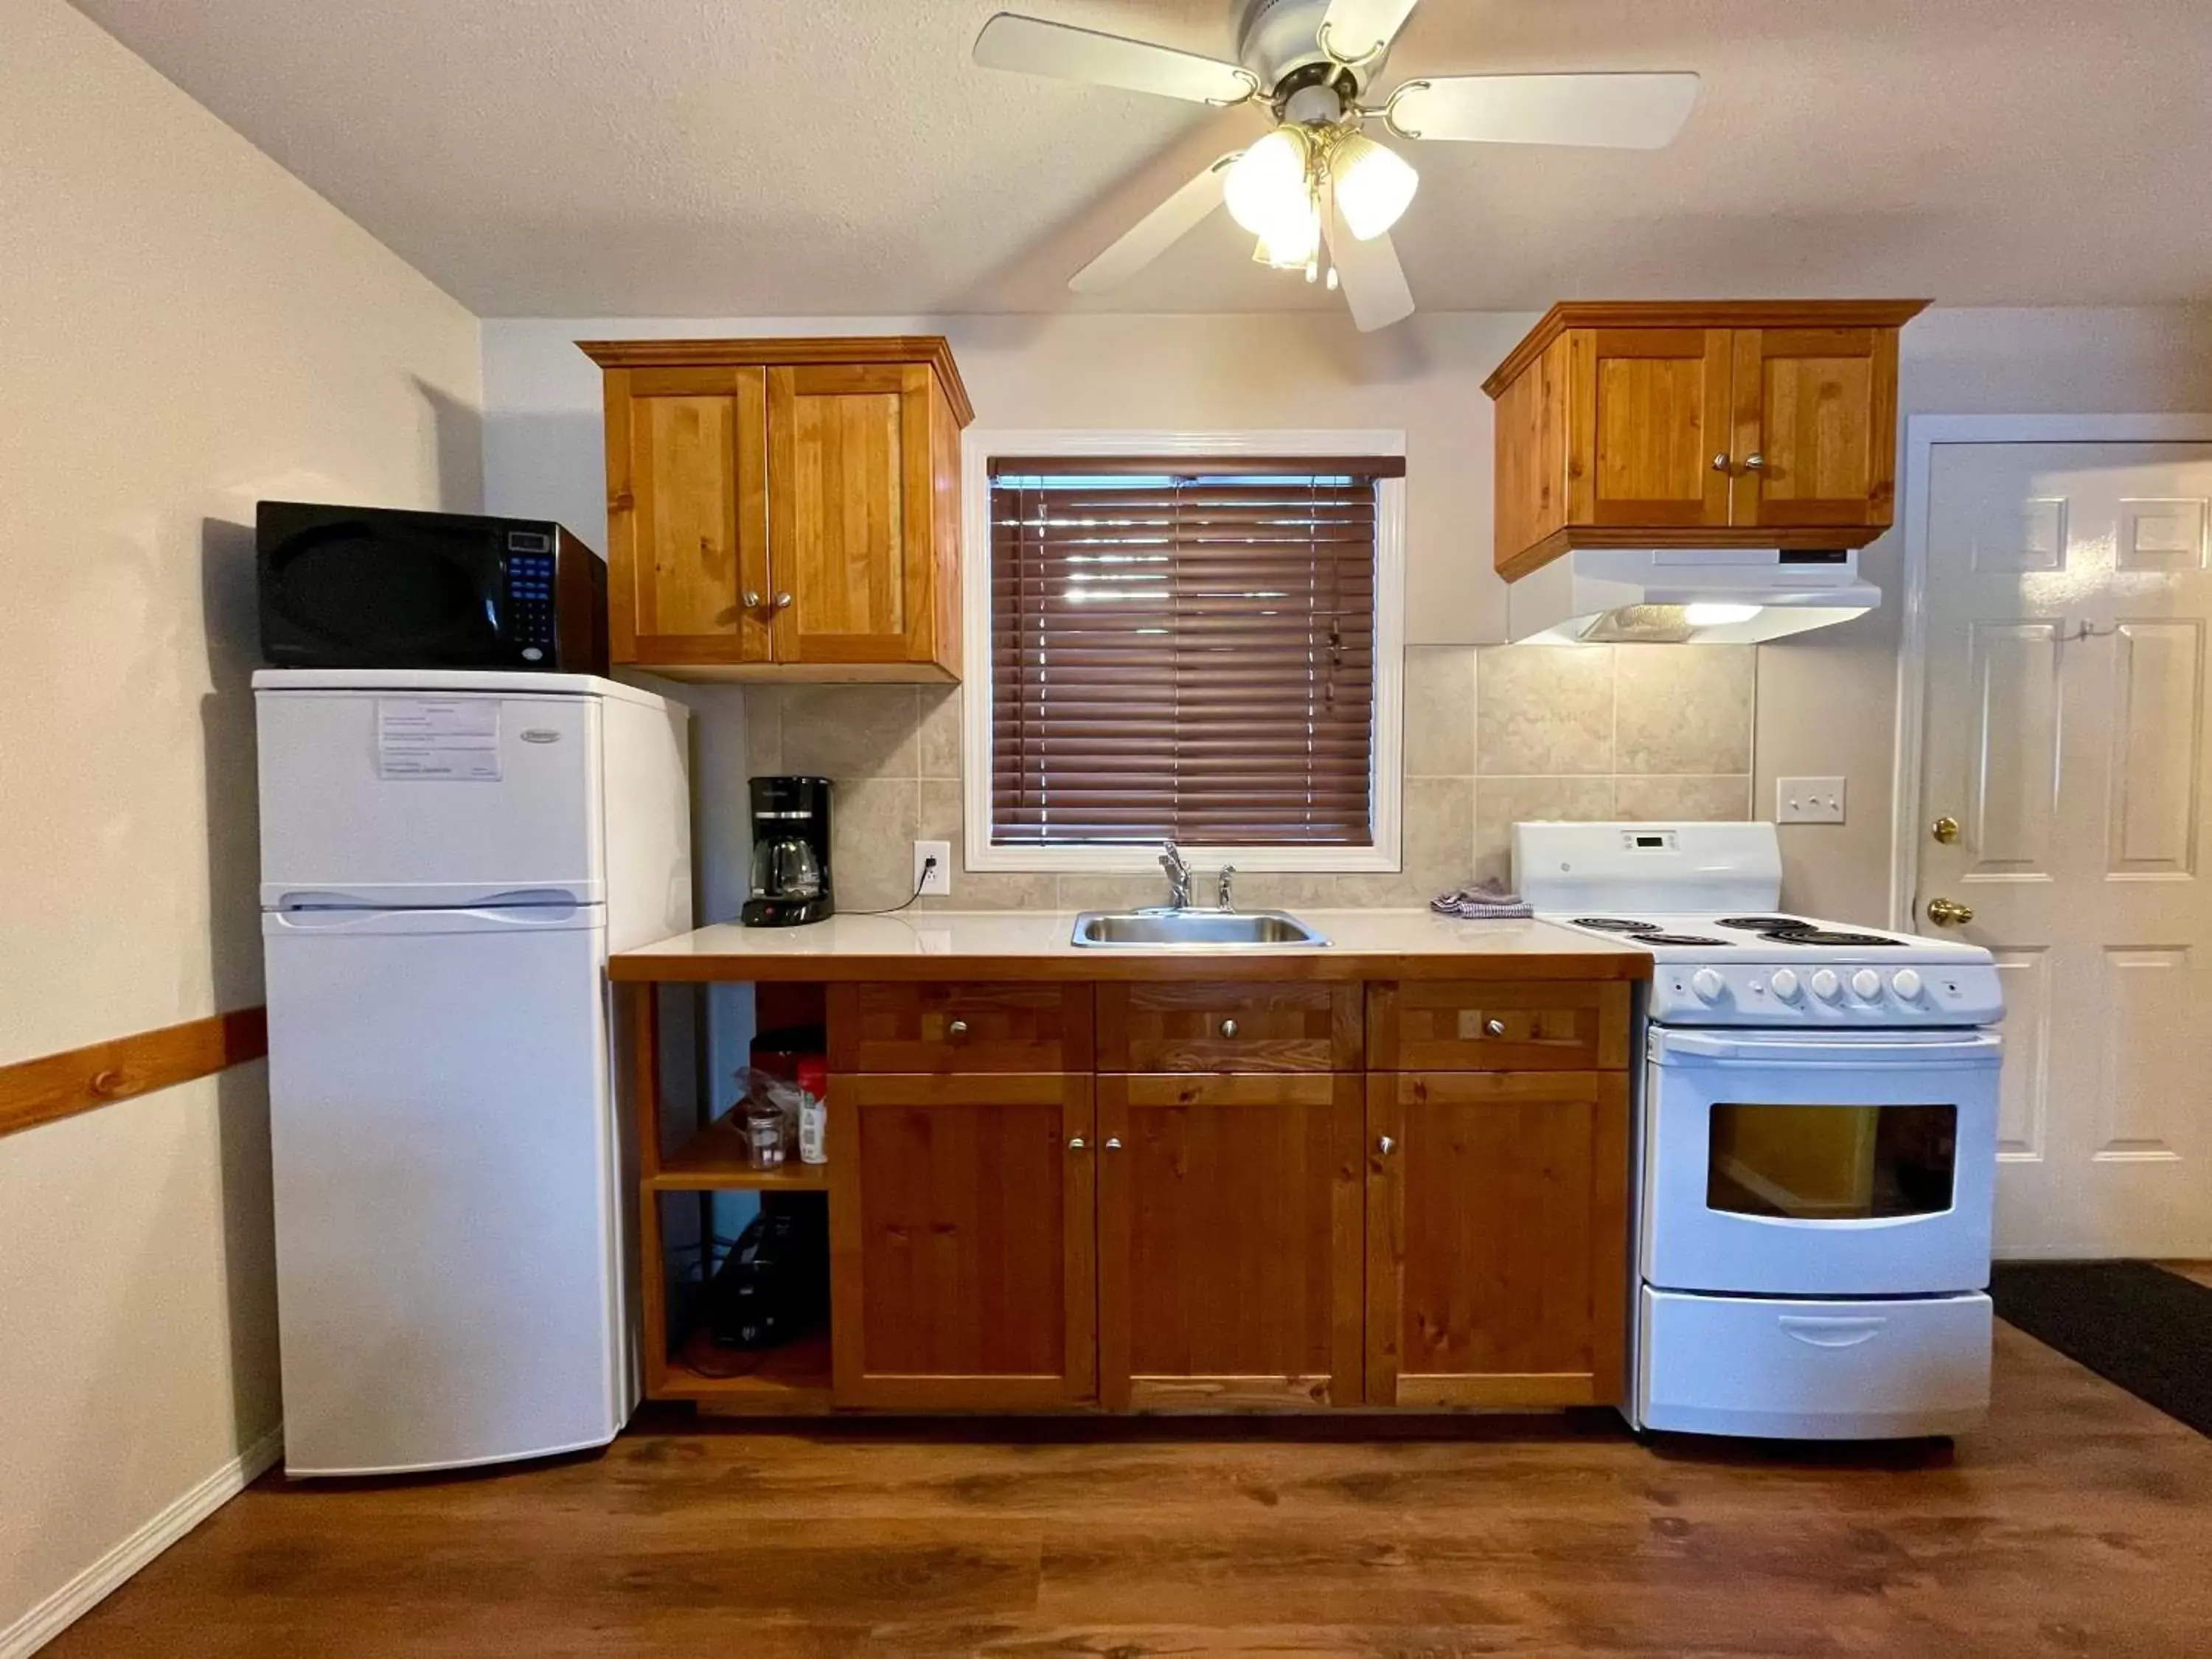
[791, 853]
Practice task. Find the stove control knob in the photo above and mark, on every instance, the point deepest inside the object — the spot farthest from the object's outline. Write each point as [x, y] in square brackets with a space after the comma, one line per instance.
[1906, 982]
[1784, 983]
[1867, 983]
[1708, 984]
[1826, 985]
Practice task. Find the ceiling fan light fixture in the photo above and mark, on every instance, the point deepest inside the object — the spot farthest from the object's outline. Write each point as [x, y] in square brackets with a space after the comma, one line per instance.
[1269, 188]
[1293, 243]
[1373, 185]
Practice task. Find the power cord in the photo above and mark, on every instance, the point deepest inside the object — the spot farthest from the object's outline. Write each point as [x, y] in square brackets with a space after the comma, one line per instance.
[928, 867]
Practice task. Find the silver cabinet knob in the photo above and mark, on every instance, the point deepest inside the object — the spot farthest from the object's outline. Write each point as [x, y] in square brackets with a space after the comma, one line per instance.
[1076, 1143]
[1113, 1143]
[783, 601]
[958, 1028]
[1229, 1028]
[1385, 1146]
[1721, 462]
[1495, 1027]
[752, 598]
[1753, 462]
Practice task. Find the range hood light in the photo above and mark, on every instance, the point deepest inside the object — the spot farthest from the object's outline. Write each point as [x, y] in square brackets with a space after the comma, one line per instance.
[1718, 615]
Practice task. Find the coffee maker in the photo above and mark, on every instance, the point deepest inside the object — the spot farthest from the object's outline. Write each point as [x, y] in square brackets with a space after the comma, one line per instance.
[791, 853]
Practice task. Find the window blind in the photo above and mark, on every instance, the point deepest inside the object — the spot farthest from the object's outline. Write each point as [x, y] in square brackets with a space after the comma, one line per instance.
[1183, 649]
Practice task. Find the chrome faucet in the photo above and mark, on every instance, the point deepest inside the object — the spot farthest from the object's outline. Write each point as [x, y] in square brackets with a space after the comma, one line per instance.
[1171, 860]
[1224, 900]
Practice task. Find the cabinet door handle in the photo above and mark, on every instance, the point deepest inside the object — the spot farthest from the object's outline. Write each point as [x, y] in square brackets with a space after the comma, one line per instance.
[1755, 462]
[1721, 462]
[958, 1028]
[752, 598]
[1495, 1027]
[1385, 1146]
[1229, 1028]
[1113, 1143]
[1076, 1143]
[783, 601]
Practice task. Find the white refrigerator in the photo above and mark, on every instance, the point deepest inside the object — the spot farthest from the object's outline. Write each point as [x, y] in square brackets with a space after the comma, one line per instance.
[446, 859]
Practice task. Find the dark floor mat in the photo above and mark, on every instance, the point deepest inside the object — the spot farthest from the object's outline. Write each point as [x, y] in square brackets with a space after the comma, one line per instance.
[2146, 1329]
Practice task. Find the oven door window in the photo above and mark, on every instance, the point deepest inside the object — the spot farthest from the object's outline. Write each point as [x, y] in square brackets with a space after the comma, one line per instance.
[1831, 1162]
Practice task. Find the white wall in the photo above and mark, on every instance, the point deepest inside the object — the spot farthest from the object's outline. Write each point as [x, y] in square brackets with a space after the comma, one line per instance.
[184, 328]
[1827, 700]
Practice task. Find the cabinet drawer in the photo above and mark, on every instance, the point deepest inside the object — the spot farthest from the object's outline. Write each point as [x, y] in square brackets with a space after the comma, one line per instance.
[1453, 1026]
[957, 1026]
[1229, 1028]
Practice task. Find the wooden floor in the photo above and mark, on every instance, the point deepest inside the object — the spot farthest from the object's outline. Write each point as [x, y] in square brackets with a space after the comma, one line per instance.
[2079, 1523]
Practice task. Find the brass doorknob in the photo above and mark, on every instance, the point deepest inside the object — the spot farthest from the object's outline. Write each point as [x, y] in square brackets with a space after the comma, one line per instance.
[1945, 829]
[1949, 912]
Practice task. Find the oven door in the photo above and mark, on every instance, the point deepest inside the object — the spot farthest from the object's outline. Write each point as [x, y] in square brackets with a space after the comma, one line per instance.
[1847, 1165]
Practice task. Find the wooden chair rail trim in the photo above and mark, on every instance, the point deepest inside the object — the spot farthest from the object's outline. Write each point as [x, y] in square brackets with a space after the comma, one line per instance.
[54, 1086]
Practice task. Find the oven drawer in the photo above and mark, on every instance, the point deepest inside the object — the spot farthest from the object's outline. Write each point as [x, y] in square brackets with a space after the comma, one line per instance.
[1147, 1026]
[1812, 1369]
[1471, 1026]
[958, 1027]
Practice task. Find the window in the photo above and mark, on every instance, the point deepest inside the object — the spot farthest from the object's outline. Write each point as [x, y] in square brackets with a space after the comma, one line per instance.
[1189, 646]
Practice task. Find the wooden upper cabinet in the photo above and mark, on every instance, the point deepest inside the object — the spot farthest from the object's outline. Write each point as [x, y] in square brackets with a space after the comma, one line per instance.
[1748, 423]
[784, 509]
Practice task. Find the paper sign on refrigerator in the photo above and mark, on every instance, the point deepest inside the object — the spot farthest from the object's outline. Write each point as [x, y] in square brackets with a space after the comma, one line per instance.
[455, 739]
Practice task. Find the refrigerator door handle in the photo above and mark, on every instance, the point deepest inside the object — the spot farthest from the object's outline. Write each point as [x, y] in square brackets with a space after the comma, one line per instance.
[518, 898]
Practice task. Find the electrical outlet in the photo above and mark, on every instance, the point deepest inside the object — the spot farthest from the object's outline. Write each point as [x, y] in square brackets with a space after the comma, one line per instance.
[938, 881]
[1808, 800]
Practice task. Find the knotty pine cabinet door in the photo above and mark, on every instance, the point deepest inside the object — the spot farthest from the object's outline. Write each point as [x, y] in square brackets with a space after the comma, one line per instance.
[1650, 415]
[853, 532]
[1815, 427]
[963, 1234]
[1497, 1237]
[687, 515]
[1229, 1241]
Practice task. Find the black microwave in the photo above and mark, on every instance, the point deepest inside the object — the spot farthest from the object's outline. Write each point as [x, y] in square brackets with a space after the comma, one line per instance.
[375, 587]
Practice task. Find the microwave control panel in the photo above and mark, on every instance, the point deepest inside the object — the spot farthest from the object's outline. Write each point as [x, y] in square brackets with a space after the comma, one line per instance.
[530, 598]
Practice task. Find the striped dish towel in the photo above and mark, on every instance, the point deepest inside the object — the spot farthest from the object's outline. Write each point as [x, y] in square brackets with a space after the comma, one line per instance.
[1488, 900]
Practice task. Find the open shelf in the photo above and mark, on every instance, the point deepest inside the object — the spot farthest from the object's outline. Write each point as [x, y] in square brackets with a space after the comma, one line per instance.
[713, 1160]
[794, 1377]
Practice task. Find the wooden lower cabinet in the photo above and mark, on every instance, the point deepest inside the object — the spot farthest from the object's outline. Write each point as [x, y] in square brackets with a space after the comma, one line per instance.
[1229, 1241]
[1497, 1237]
[962, 1241]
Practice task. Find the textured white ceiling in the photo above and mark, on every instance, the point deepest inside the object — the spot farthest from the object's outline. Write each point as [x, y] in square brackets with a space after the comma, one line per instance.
[791, 157]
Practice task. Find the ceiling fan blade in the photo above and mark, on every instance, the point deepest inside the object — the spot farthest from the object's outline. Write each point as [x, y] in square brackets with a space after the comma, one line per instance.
[1617, 112]
[1373, 281]
[1157, 231]
[1030, 46]
[1356, 30]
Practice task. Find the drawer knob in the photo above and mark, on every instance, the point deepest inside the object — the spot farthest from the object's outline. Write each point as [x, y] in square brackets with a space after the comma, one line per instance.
[1229, 1028]
[958, 1028]
[752, 598]
[1385, 1146]
[1076, 1144]
[783, 601]
[1113, 1143]
[1495, 1027]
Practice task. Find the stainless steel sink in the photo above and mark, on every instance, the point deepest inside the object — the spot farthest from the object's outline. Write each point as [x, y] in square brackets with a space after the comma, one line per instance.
[1194, 930]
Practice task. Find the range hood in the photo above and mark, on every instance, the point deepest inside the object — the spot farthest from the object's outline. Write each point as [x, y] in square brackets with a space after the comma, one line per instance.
[1685, 596]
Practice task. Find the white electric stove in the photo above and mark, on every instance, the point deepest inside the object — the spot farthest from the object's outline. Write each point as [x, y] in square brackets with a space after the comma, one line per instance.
[1816, 1141]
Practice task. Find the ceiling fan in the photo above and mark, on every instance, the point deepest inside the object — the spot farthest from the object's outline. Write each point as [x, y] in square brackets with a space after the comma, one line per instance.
[1318, 194]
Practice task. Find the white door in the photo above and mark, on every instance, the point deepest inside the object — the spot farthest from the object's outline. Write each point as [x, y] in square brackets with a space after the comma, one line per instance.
[448, 1271]
[2066, 605]
[438, 798]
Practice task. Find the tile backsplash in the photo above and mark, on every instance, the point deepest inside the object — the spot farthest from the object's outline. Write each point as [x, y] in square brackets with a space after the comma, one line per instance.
[1493, 734]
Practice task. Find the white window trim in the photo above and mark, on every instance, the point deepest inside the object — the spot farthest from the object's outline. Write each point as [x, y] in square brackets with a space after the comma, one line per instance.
[1388, 783]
